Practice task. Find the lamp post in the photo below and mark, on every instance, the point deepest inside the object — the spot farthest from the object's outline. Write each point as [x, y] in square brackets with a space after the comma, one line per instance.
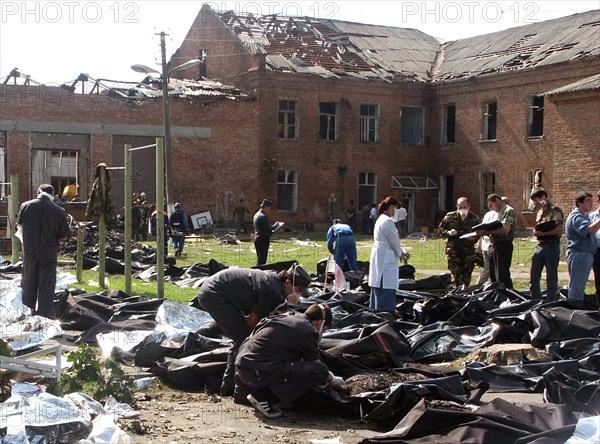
[165, 99]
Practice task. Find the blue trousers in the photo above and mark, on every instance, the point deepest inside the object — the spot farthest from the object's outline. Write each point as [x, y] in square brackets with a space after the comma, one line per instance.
[345, 247]
[547, 255]
[383, 299]
[178, 242]
[580, 264]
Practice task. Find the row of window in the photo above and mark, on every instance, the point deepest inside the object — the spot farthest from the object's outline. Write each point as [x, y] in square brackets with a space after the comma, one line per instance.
[411, 121]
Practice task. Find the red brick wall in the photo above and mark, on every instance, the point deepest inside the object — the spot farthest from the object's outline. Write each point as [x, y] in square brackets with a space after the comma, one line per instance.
[206, 171]
[576, 139]
[513, 155]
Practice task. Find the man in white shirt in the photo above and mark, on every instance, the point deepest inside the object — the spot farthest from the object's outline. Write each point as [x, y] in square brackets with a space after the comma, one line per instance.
[400, 217]
[485, 247]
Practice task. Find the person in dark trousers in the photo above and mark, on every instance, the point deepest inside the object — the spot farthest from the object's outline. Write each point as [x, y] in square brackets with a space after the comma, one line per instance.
[366, 218]
[547, 251]
[44, 225]
[280, 361]
[179, 224]
[238, 298]
[263, 230]
[502, 239]
[239, 213]
[460, 253]
[351, 215]
[345, 244]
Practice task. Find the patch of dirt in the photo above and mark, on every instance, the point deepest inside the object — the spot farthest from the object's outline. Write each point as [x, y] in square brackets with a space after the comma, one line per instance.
[172, 416]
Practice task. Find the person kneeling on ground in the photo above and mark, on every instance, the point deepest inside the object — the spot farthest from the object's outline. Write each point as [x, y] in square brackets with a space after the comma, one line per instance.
[238, 298]
[280, 362]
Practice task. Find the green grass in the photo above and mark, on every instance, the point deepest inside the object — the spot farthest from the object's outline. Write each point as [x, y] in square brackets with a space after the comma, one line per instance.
[425, 255]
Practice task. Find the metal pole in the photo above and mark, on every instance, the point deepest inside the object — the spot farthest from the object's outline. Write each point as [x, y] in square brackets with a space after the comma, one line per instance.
[160, 220]
[168, 177]
[80, 239]
[128, 217]
[102, 226]
[14, 213]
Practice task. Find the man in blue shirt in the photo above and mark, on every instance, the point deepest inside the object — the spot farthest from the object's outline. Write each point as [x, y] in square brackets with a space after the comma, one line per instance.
[595, 216]
[581, 245]
[345, 244]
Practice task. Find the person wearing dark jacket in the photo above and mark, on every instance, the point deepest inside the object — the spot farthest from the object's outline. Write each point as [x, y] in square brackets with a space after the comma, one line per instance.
[44, 225]
[178, 221]
[263, 230]
[280, 361]
[238, 298]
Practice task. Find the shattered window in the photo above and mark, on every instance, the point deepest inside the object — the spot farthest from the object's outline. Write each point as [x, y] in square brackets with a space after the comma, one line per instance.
[327, 120]
[287, 123]
[488, 186]
[369, 114]
[490, 113]
[535, 118]
[530, 185]
[411, 125]
[367, 188]
[3, 166]
[287, 190]
[448, 124]
[57, 167]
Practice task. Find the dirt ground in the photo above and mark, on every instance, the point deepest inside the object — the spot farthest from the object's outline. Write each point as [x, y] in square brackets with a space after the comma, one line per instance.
[173, 416]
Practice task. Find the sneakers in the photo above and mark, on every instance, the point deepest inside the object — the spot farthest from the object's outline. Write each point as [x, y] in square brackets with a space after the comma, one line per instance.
[264, 406]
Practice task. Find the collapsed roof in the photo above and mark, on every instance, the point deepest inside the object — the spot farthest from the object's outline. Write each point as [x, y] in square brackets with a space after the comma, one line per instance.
[333, 48]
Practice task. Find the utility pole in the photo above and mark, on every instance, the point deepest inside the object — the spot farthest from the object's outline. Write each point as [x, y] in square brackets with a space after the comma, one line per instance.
[167, 128]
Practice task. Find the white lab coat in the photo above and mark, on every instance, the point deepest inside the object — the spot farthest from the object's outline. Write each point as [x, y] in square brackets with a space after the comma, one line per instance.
[384, 254]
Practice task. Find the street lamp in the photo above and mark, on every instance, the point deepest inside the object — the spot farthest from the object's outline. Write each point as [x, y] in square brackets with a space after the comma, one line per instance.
[165, 97]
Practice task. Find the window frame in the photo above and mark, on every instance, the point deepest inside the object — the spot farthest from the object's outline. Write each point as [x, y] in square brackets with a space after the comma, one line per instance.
[283, 128]
[487, 120]
[535, 112]
[287, 183]
[370, 183]
[444, 127]
[421, 136]
[329, 117]
[365, 119]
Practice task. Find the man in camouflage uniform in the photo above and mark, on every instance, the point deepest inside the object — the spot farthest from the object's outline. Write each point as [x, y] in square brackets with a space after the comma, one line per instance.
[460, 253]
[240, 213]
[547, 251]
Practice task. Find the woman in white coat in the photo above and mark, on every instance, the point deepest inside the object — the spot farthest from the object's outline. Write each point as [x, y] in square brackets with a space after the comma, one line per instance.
[383, 269]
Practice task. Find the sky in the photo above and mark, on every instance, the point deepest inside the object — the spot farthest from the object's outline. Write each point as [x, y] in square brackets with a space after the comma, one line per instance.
[55, 41]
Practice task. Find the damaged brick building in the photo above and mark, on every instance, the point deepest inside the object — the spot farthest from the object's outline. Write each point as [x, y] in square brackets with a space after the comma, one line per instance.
[360, 111]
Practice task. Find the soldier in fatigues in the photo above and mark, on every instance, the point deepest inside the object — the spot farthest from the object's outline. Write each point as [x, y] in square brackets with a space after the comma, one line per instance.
[460, 252]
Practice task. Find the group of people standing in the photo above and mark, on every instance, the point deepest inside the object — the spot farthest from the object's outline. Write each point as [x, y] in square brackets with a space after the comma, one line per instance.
[463, 231]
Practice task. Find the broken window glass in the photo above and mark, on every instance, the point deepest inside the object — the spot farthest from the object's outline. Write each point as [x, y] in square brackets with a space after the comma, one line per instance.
[57, 167]
[411, 125]
[287, 128]
[327, 120]
[369, 115]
